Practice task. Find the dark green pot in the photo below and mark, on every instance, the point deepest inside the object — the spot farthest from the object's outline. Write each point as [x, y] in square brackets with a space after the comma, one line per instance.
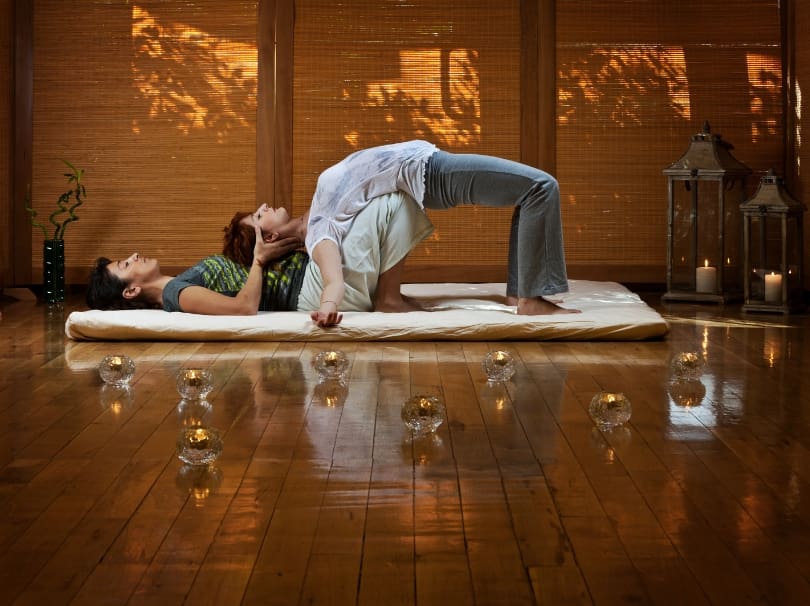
[53, 271]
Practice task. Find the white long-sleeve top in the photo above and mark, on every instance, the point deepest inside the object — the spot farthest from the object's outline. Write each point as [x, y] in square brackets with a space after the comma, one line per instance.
[346, 188]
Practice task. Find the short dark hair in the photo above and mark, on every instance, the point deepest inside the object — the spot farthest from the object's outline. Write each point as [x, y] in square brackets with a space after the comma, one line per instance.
[106, 290]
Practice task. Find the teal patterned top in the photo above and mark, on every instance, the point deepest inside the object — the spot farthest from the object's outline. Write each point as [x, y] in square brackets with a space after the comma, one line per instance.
[282, 281]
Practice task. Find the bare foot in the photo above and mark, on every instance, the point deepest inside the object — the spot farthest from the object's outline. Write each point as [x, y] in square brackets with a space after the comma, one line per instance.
[397, 305]
[538, 306]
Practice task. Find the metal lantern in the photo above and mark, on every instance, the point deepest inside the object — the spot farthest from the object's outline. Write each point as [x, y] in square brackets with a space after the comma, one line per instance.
[773, 248]
[705, 188]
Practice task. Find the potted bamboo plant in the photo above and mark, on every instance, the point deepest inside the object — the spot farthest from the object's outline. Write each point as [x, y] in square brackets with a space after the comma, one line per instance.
[53, 253]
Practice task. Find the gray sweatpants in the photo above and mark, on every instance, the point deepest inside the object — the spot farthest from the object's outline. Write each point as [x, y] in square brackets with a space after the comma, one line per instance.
[536, 256]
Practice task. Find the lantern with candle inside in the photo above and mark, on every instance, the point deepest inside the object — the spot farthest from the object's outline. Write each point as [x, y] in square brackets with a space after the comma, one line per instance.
[423, 413]
[705, 187]
[116, 370]
[773, 245]
[609, 410]
[194, 383]
[331, 364]
[687, 366]
[199, 445]
[499, 365]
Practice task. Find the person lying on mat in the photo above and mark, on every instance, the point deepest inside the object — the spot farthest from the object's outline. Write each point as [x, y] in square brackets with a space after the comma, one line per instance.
[436, 180]
[374, 251]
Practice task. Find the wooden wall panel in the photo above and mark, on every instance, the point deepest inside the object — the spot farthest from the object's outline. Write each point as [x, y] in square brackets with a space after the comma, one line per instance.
[158, 105]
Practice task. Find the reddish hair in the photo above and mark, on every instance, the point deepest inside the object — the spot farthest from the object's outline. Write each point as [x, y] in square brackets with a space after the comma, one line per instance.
[239, 240]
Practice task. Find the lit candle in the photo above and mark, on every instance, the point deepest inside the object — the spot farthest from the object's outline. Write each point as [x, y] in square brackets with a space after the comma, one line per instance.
[199, 445]
[499, 365]
[116, 370]
[773, 287]
[706, 278]
[423, 414]
[194, 378]
[199, 438]
[610, 409]
[331, 364]
[194, 383]
[687, 366]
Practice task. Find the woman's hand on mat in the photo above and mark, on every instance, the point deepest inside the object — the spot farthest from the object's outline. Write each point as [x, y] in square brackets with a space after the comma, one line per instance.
[327, 315]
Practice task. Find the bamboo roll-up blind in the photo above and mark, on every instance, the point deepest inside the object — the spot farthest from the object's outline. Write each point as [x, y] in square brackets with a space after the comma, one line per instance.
[6, 165]
[157, 102]
[636, 79]
[370, 72]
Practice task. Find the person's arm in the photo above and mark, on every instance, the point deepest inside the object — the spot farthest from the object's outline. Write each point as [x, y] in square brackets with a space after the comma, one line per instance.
[201, 300]
[327, 255]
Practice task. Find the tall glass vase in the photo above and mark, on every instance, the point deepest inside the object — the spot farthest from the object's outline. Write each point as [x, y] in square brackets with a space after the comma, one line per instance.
[53, 271]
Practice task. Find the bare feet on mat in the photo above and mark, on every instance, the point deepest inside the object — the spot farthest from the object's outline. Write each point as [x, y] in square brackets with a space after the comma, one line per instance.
[397, 305]
[538, 306]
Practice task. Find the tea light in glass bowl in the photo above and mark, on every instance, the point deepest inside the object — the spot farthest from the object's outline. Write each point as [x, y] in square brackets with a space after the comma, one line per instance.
[331, 364]
[116, 370]
[609, 410]
[687, 393]
[199, 481]
[687, 365]
[116, 398]
[499, 365]
[199, 445]
[423, 414]
[194, 383]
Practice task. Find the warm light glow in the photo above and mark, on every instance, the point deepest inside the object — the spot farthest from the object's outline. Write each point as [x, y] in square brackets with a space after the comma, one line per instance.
[192, 79]
[441, 109]
[798, 132]
[628, 72]
[704, 344]
[765, 80]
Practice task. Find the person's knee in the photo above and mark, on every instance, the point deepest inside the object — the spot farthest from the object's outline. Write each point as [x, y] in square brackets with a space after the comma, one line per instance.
[544, 192]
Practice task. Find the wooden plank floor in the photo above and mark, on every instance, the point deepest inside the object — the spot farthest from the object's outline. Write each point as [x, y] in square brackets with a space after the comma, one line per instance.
[321, 496]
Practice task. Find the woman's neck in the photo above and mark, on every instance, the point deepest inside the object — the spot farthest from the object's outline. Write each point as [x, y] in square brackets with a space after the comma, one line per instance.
[153, 291]
[296, 227]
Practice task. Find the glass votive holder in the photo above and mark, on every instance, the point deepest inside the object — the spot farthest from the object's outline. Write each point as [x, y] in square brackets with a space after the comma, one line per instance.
[199, 445]
[609, 410]
[199, 481]
[499, 365]
[116, 370]
[116, 398]
[194, 413]
[194, 383]
[687, 393]
[687, 366]
[331, 393]
[331, 364]
[423, 414]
